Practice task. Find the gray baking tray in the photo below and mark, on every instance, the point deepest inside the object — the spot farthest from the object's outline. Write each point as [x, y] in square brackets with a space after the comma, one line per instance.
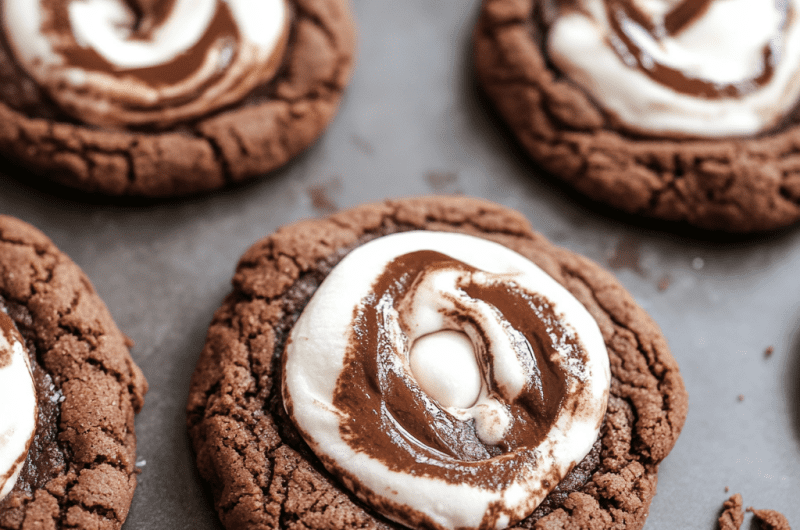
[413, 123]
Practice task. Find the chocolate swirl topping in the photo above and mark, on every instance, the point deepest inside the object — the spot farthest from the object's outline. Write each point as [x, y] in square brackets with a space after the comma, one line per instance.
[622, 14]
[393, 420]
[451, 388]
[706, 68]
[146, 62]
[221, 35]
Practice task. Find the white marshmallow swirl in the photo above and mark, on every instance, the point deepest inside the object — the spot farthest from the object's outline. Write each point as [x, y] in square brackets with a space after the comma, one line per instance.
[707, 68]
[446, 380]
[146, 63]
[18, 406]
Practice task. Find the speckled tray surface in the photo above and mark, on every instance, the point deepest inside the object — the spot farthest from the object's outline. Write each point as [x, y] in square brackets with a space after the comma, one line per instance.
[413, 123]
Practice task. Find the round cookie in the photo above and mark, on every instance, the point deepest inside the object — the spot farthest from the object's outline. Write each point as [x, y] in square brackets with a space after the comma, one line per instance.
[80, 468]
[744, 183]
[145, 136]
[263, 475]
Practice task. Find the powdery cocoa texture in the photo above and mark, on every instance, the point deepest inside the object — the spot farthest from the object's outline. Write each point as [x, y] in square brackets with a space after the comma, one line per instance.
[272, 125]
[261, 473]
[737, 185]
[80, 471]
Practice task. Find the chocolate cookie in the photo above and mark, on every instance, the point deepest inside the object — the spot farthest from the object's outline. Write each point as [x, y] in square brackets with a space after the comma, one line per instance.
[78, 467]
[264, 474]
[707, 135]
[170, 97]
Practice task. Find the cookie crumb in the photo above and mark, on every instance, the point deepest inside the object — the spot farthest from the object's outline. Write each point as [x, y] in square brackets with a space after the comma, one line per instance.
[732, 515]
[322, 195]
[626, 256]
[727, 489]
[740, 397]
[663, 283]
[439, 180]
[769, 351]
[770, 519]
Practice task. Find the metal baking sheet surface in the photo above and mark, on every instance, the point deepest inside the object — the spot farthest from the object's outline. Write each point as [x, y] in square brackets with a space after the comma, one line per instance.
[413, 123]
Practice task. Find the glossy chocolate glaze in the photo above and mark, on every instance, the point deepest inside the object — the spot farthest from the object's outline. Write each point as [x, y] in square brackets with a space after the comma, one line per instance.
[388, 416]
[45, 459]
